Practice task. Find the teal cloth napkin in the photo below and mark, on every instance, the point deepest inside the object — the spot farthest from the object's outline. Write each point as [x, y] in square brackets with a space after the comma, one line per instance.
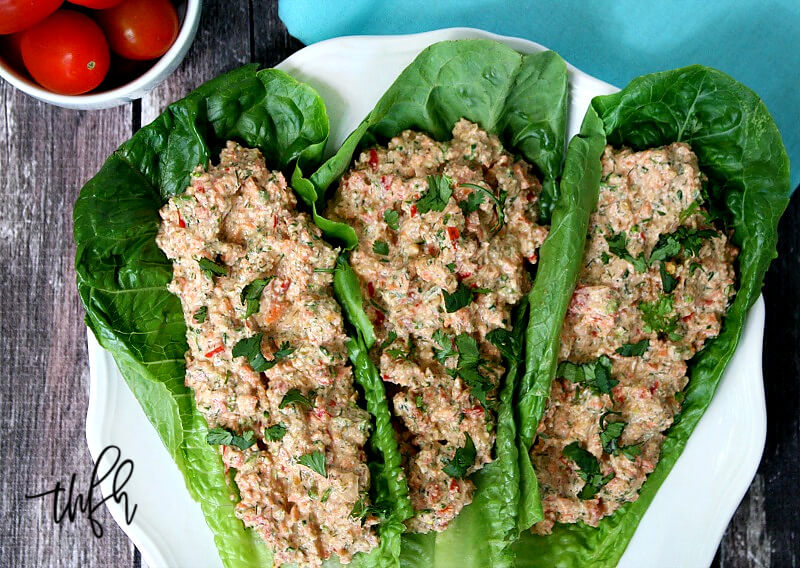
[756, 42]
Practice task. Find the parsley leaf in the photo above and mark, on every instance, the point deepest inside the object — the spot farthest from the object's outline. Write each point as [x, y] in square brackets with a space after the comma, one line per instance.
[392, 218]
[294, 396]
[380, 247]
[211, 268]
[506, 343]
[683, 238]
[668, 281]
[634, 349]
[463, 459]
[201, 314]
[589, 470]
[439, 191]
[275, 432]
[469, 360]
[617, 245]
[472, 203]
[631, 452]
[499, 203]
[446, 344]
[595, 375]
[221, 436]
[458, 299]
[656, 316]
[251, 295]
[361, 509]
[389, 340]
[315, 461]
[250, 347]
[610, 433]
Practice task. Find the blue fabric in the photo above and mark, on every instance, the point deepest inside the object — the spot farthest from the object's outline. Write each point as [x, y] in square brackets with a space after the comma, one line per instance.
[756, 42]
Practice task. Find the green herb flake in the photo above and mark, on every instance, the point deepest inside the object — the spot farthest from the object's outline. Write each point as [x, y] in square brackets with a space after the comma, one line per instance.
[250, 347]
[275, 432]
[392, 219]
[294, 396]
[634, 349]
[200, 315]
[463, 459]
[251, 295]
[460, 298]
[588, 470]
[221, 436]
[668, 281]
[656, 315]
[506, 343]
[440, 188]
[315, 461]
[617, 245]
[446, 343]
[380, 247]
[595, 375]
[473, 203]
[211, 268]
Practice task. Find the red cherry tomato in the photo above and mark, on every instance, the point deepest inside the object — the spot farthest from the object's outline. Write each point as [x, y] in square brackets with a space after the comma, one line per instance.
[16, 15]
[140, 29]
[96, 4]
[66, 53]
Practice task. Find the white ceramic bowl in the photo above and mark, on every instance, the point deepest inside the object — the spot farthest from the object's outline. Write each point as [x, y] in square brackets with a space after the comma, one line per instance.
[161, 69]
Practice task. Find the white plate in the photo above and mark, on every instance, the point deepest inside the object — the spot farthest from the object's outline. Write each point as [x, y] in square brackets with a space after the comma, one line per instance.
[686, 520]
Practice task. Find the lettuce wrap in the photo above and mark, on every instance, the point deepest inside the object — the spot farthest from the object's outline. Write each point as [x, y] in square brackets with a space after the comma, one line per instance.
[740, 150]
[523, 100]
[122, 280]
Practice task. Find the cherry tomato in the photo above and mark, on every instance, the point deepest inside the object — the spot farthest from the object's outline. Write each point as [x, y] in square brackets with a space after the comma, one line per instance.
[96, 4]
[16, 15]
[140, 29]
[66, 53]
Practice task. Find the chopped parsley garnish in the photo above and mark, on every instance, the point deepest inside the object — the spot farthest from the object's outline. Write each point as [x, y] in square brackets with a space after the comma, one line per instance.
[588, 470]
[294, 396]
[463, 459]
[440, 188]
[473, 203]
[250, 347]
[201, 315]
[389, 340]
[668, 281]
[684, 238]
[251, 295]
[420, 403]
[315, 461]
[275, 432]
[460, 298]
[361, 510]
[610, 433]
[469, 362]
[506, 343]
[221, 436]
[618, 245]
[634, 349]
[211, 268]
[631, 452]
[380, 247]
[595, 375]
[446, 343]
[392, 218]
[657, 317]
[451, 267]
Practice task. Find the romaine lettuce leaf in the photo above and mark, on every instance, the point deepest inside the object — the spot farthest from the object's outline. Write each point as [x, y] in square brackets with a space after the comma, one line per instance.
[740, 149]
[122, 275]
[522, 99]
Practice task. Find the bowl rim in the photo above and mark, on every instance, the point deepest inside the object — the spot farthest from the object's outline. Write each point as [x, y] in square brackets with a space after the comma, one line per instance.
[144, 81]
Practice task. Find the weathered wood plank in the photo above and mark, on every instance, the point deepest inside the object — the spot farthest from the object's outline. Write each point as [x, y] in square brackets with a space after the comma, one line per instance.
[46, 154]
[271, 42]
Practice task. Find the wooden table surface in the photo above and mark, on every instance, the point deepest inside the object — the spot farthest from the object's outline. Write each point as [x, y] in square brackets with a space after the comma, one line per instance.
[47, 153]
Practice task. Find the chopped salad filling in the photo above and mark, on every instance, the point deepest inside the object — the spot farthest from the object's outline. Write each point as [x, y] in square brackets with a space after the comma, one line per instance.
[267, 358]
[657, 280]
[445, 229]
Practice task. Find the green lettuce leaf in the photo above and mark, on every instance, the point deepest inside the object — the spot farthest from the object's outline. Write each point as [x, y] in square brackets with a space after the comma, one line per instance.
[122, 275]
[740, 149]
[522, 99]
